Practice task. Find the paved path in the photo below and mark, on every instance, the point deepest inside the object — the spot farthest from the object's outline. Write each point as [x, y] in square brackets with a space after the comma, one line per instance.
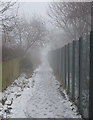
[46, 101]
[42, 99]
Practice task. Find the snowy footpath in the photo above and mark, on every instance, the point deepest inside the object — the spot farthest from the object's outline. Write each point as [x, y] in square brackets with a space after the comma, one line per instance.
[37, 97]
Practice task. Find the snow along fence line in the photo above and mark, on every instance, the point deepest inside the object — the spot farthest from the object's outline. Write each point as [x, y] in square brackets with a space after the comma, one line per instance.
[11, 69]
[73, 64]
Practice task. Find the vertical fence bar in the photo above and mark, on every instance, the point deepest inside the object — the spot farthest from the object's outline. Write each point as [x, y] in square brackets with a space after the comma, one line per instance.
[68, 68]
[62, 64]
[80, 74]
[91, 78]
[57, 61]
[65, 64]
[73, 70]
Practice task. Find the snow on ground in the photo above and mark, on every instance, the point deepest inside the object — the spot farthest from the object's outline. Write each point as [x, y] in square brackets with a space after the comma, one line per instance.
[37, 97]
[13, 93]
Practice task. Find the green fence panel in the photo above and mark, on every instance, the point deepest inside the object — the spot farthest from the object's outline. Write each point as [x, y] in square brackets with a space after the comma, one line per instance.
[80, 74]
[65, 64]
[61, 64]
[0, 76]
[68, 68]
[73, 70]
[63, 55]
[91, 78]
[70, 64]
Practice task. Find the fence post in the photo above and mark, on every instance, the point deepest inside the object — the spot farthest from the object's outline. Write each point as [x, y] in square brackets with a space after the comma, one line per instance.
[57, 61]
[65, 64]
[73, 70]
[60, 64]
[80, 74]
[91, 78]
[68, 68]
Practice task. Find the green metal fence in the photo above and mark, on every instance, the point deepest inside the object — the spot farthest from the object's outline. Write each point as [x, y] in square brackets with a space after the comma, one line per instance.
[74, 65]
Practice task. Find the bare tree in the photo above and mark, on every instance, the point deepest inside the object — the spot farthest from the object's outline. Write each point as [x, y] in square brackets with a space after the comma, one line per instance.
[7, 18]
[73, 17]
[35, 32]
[17, 33]
[26, 34]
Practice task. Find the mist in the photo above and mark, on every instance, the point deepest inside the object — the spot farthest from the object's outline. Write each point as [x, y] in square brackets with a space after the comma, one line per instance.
[41, 68]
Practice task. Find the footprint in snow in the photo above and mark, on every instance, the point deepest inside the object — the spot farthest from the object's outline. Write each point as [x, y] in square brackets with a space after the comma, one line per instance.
[45, 114]
[56, 108]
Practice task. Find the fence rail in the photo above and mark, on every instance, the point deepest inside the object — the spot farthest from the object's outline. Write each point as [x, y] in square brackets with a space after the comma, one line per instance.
[74, 65]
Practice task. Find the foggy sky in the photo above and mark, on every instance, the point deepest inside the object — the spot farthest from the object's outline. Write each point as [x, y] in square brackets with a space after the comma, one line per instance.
[28, 9]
